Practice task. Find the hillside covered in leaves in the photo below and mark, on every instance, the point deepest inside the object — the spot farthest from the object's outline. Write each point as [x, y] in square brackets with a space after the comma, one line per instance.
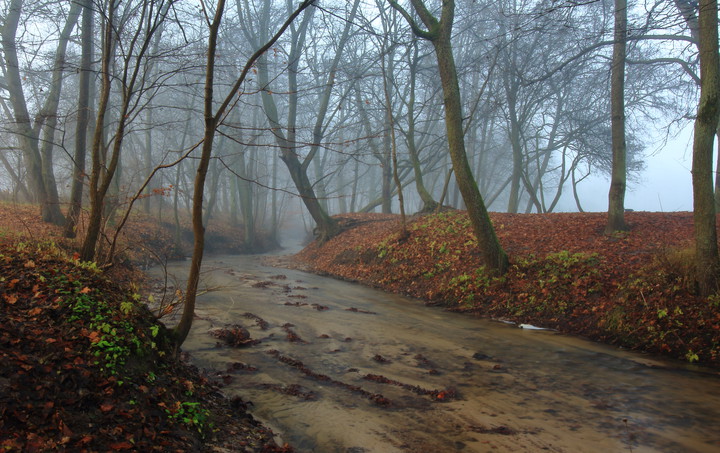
[84, 366]
[633, 289]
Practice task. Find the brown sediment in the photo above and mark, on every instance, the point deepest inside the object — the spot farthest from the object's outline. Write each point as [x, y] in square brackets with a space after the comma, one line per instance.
[376, 398]
[291, 335]
[295, 304]
[357, 310]
[292, 390]
[437, 395]
[264, 325]
[262, 284]
[239, 366]
[234, 336]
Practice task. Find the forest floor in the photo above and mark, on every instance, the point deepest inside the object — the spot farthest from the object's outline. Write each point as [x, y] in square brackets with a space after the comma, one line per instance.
[83, 364]
[632, 289]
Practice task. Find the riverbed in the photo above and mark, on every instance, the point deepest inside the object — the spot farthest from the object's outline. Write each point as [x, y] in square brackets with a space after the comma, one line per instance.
[338, 367]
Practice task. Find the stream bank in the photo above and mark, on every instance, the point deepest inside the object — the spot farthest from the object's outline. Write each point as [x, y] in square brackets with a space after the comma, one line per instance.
[632, 289]
[83, 367]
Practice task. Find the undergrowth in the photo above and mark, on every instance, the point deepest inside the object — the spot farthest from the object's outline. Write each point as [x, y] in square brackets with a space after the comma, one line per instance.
[123, 342]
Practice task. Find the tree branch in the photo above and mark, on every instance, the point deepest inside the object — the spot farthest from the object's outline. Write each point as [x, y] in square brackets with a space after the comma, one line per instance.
[430, 35]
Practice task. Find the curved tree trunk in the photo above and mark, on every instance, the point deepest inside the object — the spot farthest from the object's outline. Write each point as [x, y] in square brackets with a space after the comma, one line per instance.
[326, 226]
[429, 203]
[40, 170]
[439, 33]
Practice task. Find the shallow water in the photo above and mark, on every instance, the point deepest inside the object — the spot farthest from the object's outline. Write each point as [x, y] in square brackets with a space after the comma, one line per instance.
[456, 383]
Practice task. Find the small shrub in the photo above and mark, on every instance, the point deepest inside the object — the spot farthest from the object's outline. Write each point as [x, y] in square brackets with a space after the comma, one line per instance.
[679, 264]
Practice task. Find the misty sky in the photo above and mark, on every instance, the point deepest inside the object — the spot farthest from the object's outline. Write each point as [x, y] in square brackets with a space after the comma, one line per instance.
[664, 186]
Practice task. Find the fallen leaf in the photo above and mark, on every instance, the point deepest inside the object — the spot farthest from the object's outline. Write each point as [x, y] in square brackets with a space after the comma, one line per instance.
[106, 407]
[124, 445]
[85, 439]
[30, 263]
[85, 290]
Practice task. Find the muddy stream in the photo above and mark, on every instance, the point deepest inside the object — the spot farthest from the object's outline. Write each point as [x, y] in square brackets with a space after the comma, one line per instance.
[339, 367]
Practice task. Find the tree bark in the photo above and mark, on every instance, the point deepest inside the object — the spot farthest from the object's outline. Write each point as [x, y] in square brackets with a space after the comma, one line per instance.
[83, 117]
[103, 174]
[181, 331]
[429, 203]
[616, 195]
[96, 198]
[708, 113]
[326, 226]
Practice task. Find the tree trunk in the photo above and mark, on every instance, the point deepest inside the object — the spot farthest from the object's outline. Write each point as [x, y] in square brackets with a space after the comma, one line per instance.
[708, 113]
[181, 331]
[28, 136]
[493, 256]
[616, 196]
[83, 118]
[717, 173]
[517, 151]
[440, 33]
[96, 198]
[393, 148]
[428, 202]
[326, 226]
[48, 117]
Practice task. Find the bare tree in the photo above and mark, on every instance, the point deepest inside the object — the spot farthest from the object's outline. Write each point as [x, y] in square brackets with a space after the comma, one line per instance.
[213, 118]
[708, 113]
[616, 196]
[439, 33]
[148, 16]
[37, 139]
[83, 117]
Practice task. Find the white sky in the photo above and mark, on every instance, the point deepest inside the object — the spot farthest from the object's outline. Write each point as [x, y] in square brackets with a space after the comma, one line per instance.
[664, 186]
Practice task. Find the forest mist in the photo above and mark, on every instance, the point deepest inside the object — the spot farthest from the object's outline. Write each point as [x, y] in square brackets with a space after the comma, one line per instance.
[315, 114]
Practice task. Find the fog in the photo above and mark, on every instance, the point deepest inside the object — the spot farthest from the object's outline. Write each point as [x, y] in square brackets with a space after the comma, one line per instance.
[664, 186]
[346, 103]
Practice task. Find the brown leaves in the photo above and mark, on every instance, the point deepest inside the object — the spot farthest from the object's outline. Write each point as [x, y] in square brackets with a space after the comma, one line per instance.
[124, 445]
[54, 396]
[94, 337]
[107, 407]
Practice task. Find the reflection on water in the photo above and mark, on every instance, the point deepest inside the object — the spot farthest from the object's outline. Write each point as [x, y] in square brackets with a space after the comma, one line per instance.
[334, 353]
